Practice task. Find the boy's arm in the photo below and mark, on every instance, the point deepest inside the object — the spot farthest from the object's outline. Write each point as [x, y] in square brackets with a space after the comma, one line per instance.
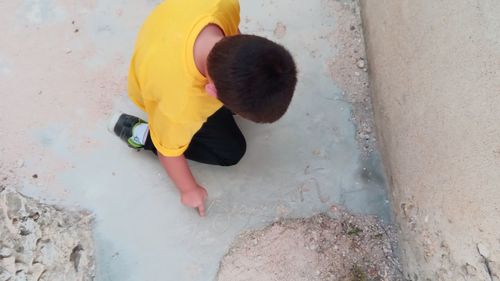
[192, 194]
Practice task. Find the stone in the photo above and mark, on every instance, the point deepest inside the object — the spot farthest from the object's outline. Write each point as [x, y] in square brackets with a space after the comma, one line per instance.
[361, 63]
[5, 252]
[36, 241]
[14, 205]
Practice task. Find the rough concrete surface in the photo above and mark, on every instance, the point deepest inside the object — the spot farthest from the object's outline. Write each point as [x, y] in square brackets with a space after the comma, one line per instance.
[334, 246]
[435, 73]
[349, 70]
[39, 242]
[63, 67]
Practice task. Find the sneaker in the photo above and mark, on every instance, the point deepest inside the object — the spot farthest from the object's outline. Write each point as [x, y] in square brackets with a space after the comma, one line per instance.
[130, 129]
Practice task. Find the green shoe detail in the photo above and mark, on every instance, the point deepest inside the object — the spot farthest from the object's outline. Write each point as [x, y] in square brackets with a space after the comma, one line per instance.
[132, 142]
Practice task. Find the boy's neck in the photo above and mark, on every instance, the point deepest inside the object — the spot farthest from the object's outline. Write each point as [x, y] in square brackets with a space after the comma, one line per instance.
[204, 44]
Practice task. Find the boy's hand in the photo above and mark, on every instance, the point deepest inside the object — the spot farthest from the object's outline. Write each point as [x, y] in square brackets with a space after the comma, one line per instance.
[195, 198]
[192, 194]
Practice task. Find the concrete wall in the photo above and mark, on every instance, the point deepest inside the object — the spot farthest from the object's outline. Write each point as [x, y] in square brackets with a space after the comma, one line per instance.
[435, 70]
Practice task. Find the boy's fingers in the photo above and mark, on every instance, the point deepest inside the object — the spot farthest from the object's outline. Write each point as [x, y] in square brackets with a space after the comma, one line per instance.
[201, 210]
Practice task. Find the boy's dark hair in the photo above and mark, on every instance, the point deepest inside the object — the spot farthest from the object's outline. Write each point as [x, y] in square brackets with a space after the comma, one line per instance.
[254, 76]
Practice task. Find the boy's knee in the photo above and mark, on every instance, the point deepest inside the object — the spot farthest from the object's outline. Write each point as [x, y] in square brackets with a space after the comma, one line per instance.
[238, 151]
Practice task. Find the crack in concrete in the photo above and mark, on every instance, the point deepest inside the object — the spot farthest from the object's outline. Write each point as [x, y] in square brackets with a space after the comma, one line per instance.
[486, 262]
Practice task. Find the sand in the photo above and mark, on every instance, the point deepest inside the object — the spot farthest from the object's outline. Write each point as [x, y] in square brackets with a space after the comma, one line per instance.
[349, 69]
[343, 247]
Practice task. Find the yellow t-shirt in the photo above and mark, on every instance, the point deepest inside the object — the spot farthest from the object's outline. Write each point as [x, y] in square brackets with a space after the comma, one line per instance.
[164, 80]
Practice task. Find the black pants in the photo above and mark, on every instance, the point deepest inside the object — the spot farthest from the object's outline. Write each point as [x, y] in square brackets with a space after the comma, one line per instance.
[218, 142]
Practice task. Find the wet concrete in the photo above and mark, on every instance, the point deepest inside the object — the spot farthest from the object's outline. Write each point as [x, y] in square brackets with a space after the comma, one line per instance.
[63, 71]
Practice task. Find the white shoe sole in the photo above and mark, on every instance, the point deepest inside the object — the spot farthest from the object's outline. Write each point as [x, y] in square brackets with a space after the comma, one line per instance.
[113, 120]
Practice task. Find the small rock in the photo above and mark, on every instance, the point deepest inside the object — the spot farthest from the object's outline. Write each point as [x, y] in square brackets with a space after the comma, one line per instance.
[14, 205]
[357, 73]
[312, 247]
[5, 252]
[361, 63]
[20, 163]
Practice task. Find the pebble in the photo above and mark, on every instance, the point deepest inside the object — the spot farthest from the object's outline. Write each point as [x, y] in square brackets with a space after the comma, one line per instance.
[361, 63]
[5, 252]
[20, 163]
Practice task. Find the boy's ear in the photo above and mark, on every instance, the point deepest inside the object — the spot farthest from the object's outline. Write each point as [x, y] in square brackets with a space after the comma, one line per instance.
[211, 90]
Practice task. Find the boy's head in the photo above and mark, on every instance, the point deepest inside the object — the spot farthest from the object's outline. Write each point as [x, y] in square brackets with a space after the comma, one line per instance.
[253, 76]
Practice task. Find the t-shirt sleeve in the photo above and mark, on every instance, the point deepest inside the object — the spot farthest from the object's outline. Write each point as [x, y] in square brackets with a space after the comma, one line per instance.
[228, 16]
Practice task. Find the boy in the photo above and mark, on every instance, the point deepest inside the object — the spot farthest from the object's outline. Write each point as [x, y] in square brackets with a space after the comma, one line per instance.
[190, 72]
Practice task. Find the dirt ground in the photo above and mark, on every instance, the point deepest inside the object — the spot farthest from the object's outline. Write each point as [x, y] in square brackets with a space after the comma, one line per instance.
[343, 247]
